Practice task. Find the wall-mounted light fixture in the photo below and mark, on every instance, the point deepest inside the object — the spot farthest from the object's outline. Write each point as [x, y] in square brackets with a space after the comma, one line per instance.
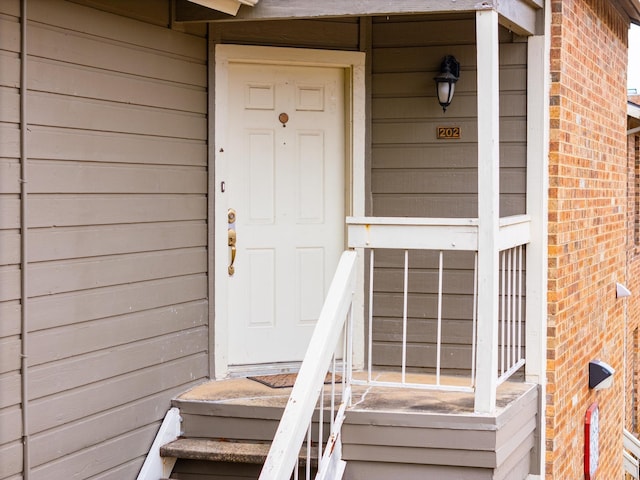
[622, 291]
[600, 375]
[446, 80]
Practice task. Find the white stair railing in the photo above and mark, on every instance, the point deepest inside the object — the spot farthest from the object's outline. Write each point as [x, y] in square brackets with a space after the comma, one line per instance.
[334, 324]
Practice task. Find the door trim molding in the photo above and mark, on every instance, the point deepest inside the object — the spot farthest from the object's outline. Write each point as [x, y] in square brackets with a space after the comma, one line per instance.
[353, 64]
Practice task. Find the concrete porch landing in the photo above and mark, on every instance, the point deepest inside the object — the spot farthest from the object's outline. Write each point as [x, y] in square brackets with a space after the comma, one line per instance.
[388, 432]
[246, 392]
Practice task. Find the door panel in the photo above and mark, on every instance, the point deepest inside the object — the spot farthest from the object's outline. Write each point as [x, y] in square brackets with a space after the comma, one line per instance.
[286, 184]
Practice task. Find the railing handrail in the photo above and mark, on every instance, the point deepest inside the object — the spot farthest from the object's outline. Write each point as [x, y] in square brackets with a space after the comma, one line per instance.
[416, 233]
[283, 455]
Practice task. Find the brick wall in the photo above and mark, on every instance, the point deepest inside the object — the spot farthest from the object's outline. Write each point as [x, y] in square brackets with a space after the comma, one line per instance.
[587, 230]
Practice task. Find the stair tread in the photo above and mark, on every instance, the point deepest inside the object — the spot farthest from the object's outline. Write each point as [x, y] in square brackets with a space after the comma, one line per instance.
[216, 450]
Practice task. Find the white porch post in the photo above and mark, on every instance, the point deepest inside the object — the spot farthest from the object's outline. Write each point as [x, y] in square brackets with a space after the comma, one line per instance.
[488, 209]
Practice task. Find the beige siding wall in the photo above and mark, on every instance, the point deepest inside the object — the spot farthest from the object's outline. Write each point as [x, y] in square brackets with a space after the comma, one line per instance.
[415, 174]
[117, 231]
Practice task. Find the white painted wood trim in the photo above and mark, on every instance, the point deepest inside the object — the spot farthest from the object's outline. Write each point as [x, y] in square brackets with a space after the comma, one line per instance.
[358, 144]
[211, 204]
[538, 87]
[220, 347]
[424, 221]
[514, 231]
[488, 209]
[354, 65]
[411, 236]
[537, 207]
[155, 466]
[519, 16]
[278, 10]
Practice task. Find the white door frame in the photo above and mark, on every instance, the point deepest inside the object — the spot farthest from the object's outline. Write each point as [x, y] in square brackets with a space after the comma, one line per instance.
[353, 64]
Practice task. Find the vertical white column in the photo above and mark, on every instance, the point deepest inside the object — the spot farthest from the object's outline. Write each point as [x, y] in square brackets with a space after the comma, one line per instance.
[488, 209]
[537, 206]
[538, 80]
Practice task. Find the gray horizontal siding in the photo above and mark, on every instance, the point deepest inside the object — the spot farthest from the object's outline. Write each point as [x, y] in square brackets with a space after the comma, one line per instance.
[335, 34]
[117, 218]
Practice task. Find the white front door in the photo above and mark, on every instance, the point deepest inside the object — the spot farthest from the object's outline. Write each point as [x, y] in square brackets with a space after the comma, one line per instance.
[285, 185]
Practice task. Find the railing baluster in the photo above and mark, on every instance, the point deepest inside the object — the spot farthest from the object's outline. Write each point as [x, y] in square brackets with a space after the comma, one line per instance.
[345, 352]
[439, 330]
[519, 303]
[370, 356]
[514, 316]
[474, 320]
[509, 303]
[348, 377]
[502, 313]
[320, 423]
[308, 465]
[333, 394]
[404, 316]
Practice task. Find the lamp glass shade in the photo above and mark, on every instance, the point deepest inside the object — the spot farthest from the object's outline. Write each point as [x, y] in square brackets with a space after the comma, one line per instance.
[445, 93]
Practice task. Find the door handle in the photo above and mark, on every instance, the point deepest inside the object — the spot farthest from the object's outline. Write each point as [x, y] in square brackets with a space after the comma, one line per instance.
[232, 243]
[231, 239]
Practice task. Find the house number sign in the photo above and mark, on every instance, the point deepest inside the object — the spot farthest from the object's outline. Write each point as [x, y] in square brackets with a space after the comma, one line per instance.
[448, 133]
[591, 434]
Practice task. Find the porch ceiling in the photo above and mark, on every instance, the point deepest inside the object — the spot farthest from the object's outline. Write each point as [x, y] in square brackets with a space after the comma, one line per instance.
[517, 15]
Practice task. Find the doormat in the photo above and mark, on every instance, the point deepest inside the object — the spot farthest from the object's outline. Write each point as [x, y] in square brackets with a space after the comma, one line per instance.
[284, 380]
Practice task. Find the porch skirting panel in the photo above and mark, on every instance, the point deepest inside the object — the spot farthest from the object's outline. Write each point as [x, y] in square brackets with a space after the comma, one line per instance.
[415, 443]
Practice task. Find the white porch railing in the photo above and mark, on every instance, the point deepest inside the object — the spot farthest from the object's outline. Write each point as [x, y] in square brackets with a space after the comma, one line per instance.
[332, 335]
[443, 236]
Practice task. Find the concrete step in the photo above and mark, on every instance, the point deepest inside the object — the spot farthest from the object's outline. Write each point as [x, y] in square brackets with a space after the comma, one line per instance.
[216, 450]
